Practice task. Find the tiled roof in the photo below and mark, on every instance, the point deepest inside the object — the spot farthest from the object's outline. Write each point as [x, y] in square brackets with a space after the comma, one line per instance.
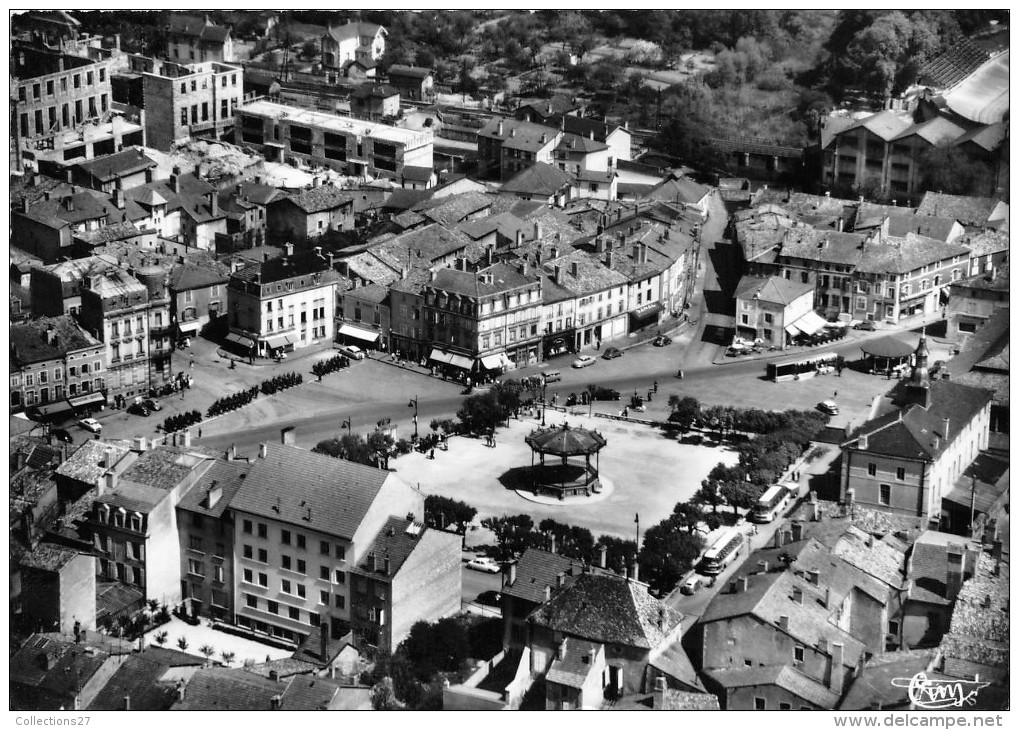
[74, 208]
[592, 275]
[395, 540]
[936, 131]
[47, 556]
[374, 91]
[775, 289]
[827, 246]
[681, 190]
[286, 667]
[469, 283]
[139, 679]
[538, 179]
[982, 484]
[968, 210]
[902, 255]
[404, 198]
[985, 242]
[216, 688]
[417, 173]
[119, 164]
[814, 209]
[609, 609]
[887, 124]
[26, 667]
[878, 558]
[928, 565]
[671, 659]
[583, 126]
[418, 72]
[453, 208]
[225, 475]
[505, 223]
[518, 135]
[249, 193]
[575, 665]
[979, 632]
[580, 143]
[198, 28]
[354, 30]
[86, 464]
[107, 234]
[425, 245]
[165, 467]
[187, 276]
[988, 137]
[29, 343]
[875, 686]
[337, 493]
[783, 676]
[193, 192]
[925, 225]
[301, 263]
[324, 197]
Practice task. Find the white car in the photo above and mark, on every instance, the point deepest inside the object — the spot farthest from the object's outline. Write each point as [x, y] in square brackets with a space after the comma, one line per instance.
[828, 406]
[353, 352]
[90, 424]
[485, 565]
[691, 585]
[583, 361]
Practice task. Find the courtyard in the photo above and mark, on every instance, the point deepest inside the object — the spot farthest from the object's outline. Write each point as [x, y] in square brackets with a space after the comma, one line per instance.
[244, 651]
[649, 471]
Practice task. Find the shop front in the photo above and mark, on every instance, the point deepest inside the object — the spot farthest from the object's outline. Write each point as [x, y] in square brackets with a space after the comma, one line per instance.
[367, 339]
[646, 316]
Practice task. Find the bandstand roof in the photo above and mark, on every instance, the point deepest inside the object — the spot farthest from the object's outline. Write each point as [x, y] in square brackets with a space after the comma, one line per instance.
[565, 441]
[887, 347]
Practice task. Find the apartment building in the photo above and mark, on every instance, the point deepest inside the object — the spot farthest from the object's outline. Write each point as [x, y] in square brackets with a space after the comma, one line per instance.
[365, 42]
[597, 300]
[768, 309]
[507, 146]
[282, 304]
[190, 40]
[198, 297]
[56, 366]
[310, 213]
[294, 550]
[352, 146]
[183, 100]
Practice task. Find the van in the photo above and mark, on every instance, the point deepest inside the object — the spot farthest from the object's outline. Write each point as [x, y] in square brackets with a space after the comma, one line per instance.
[553, 376]
[691, 585]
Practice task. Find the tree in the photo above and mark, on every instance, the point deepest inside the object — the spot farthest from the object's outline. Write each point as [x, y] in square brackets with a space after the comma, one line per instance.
[162, 637]
[685, 410]
[618, 552]
[383, 697]
[514, 533]
[688, 515]
[668, 552]
[442, 646]
[481, 413]
[571, 541]
[741, 495]
[444, 512]
[371, 451]
[228, 657]
[182, 643]
[948, 169]
[709, 494]
[309, 49]
[207, 651]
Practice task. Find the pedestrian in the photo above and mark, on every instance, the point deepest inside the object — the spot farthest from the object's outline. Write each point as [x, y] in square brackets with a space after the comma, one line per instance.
[192, 363]
[649, 394]
[836, 394]
[199, 433]
[679, 374]
[431, 454]
[656, 386]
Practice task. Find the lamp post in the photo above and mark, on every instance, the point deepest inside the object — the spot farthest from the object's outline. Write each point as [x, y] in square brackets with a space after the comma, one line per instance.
[544, 385]
[414, 404]
[346, 425]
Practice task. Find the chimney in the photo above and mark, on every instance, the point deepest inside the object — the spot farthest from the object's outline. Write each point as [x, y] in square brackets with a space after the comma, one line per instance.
[69, 203]
[519, 239]
[863, 442]
[511, 574]
[636, 570]
[658, 703]
[288, 436]
[837, 669]
[186, 441]
[763, 566]
[323, 642]
[118, 198]
[551, 543]
[265, 256]
[814, 576]
[944, 428]
[180, 690]
[797, 531]
[548, 593]
[559, 275]
[140, 444]
[783, 623]
[127, 702]
[70, 177]
[798, 595]
[956, 565]
[561, 650]
[560, 580]
[214, 495]
[543, 139]
[524, 268]
[608, 259]
[110, 482]
[742, 584]
[636, 253]
[25, 205]
[827, 597]
[603, 552]
[513, 132]
[778, 539]
[288, 248]
[498, 130]
[575, 269]
[599, 244]
[263, 451]
[537, 230]
[276, 700]
[385, 566]
[175, 180]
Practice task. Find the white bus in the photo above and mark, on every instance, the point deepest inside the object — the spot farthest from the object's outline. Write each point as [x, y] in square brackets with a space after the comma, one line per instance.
[722, 552]
[771, 503]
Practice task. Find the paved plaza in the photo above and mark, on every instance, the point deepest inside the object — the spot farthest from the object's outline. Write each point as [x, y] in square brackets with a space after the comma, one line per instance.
[244, 650]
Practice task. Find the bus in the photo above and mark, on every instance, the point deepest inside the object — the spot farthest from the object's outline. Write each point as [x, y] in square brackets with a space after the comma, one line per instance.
[802, 367]
[722, 552]
[771, 503]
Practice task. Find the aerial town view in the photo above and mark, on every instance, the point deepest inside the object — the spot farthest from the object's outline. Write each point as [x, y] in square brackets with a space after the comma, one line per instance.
[509, 360]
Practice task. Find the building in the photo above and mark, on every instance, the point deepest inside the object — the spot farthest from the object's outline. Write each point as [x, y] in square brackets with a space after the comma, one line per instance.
[310, 213]
[616, 137]
[939, 565]
[282, 304]
[58, 588]
[246, 208]
[184, 208]
[413, 82]
[191, 40]
[49, 228]
[293, 552]
[983, 362]
[976, 214]
[182, 100]
[540, 182]
[973, 300]
[599, 300]
[409, 573]
[120, 171]
[364, 42]
[363, 315]
[906, 461]
[147, 681]
[40, 671]
[56, 366]
[774, 310]
[375, 102]
[220, 688]
[351, 146]
[198, 297]
[507, 146]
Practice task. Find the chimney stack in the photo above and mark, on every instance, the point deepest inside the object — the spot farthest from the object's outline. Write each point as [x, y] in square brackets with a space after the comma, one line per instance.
[263, 451]
[511, 574]
[636, 570]
[186, 441]
[288, 436]
[575, 269]
[763, 565]
[743, 584]
[944, 428]
[797, 531]
[560, 580]
[956, 567]
[838, 671]
[827, 598]
[175, 180]
[499, 129]
[783, 623]
[551, 543]
[323, 641]
[548, 593]
[603, 552]
[798, 595]
[537, 230]
[118, 198]
[814, 576]
[658, 702]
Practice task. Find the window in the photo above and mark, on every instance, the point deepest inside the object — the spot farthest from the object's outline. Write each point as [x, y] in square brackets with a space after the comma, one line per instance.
[263, 530]
[313, 619]
[900, 473]
[294, 613]
[263, 555]
[251, 601]
[323, 572]
[871, 469]
[323, 598]
[341, 552]
[784, 706]
[301, 593]
[301, 543]
[885, 494]
[323, 547]
[340, 601]
[217, 573]
[285, 586]
[760, 703]
[285, 562]
[302, 567]
[247, 551]
[893, 627]
[285, 537]
[195, 543]
[196, 567]
[798, 654]
[769, 318]
[249, 575]
[341, 577]
[247, 527]
[263, 580]
[273, 607]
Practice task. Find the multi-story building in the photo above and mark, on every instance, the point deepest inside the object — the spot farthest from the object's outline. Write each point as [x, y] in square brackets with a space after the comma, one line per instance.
[768, 309]
[905, 461]
[375, 102]
[120, 171]
[349, 145]
[55, 92]
[282, 304]
[310, 213]
[48, 228]
[596, 309]
[294, 550]
[190, 40]
[413, 82]
[198, 297]
[187, 100]
[507, 146]
[365, 42]
[56, 366]
[363, 315]
[245, 206]
[973, 300]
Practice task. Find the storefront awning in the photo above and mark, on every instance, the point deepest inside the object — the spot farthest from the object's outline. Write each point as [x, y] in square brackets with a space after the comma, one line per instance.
[810, 323]
[189, 329]
[439, 356]
[240, 340]
[87, 400]
[350, 330]
[647, 312]
[47, 410]
[491, 362]
[792, 330]
[459, 361]
[277, 341]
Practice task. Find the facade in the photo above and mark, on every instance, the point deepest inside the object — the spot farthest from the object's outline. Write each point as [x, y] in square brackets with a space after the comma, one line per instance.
[375, 102]
[50, 228]
[120, 171]
[310, 213]
[507, 146]
[198, 297]
[905, 462]
[54, 365]
[363, 316]
[351, 146]
[364, 42]
[413, 82]
[973, 300]
[184, 208]
[58, 588]
[245, 207]
[938, 566]
[768, 308]
[294, 552]
[282, 304]
[182, 100]
[191, 40]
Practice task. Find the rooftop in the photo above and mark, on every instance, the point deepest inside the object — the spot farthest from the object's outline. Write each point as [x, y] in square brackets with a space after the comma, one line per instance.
[198, 28]
[395, 541]
[417, 72]
[119, 164]
[140, 680]
[473, 284]
[338, 124]
[87, 464]
[224, 478]
[538, 179]
[323, 197]
[969, 211]
[519, 135]
[536, 569]
[48, 338]
[774, 289]
[301, 263]
[783, 676]
[28, 665]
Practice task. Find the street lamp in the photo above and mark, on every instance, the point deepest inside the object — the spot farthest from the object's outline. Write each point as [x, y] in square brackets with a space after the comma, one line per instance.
[544, 385]
[346, 425]
[414, 404]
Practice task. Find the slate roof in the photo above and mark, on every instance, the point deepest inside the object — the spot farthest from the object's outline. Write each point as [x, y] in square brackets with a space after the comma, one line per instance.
[469, 283]
[316, 200]
[875, 685]
[453, 208]
[538, 568]
[580, 143]
[227, 475]
[672, 660]
[117, 165]
[338, 492]
[517, 134]
[396, 540]
[198, 28]
[608, 609]
[583, 126]
[982, 484]
[775, 289]
[187, 276]
[902, 255]
[139, 678]
[988, 137]
[301, 263]
[26, 666]
[936, 131]
[538, 179]
[193, 192]
[86, 464]
[969, 211]
[783, 676]
[925, 225]
[682, 190]
[832, 127]
[575, 665]
[86, 206]
[417, 173]
[29, 343]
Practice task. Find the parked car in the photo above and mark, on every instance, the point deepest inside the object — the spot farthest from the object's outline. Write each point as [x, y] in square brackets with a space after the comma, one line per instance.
[485, 565]
[866, 326]
[153, 405]
[691, 585]
[599, 393]
[611, 353]
[90, 424]
[62, 434]
[583, 361]
[553, 376]
[828, 406]
[353, 352]
[661, 341]
[139, 409]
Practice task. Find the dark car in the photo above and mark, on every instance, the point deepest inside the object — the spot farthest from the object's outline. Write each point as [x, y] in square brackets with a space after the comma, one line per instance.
[153, 405]
[62, 434]
[139, 409]
[866, 326]
[612, 353]
[661, 341]
[599, 393]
